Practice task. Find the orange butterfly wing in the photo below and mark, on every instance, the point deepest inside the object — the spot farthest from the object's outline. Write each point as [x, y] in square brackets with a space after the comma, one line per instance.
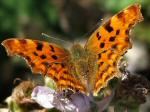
[110, 41]
[45, 58]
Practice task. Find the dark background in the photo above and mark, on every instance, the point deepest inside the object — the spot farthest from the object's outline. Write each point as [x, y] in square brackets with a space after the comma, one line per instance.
[65, 19]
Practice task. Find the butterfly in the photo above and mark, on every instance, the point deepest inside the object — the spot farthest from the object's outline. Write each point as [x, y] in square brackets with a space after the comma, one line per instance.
[86, 68]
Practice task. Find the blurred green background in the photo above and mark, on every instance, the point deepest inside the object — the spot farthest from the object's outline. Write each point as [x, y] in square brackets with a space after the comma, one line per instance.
[65, 19]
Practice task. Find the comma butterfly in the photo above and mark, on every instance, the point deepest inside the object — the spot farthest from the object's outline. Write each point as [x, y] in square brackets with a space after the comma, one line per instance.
[86, 69]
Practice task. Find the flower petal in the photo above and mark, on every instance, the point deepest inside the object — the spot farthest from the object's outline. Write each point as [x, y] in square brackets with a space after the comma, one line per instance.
[43, 96]
[83, 103]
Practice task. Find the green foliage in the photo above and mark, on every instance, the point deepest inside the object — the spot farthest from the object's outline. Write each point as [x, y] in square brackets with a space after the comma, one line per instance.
[15, 15]
[53, 110]
[116, 5]
[14, 107]
[143, 32]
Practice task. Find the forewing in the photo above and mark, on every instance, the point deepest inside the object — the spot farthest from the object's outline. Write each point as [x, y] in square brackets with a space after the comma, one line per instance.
[110, 41]
[45, 58]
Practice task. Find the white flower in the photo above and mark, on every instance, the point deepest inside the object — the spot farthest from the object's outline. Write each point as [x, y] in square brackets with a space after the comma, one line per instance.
[43, 96]
[75, 102]
[48, 98]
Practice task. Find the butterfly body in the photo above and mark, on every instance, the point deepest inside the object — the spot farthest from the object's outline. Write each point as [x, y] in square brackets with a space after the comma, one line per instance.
[86, 69]
[84, 64]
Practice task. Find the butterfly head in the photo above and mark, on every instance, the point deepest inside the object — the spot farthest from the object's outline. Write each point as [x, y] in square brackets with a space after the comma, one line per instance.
[77, 51]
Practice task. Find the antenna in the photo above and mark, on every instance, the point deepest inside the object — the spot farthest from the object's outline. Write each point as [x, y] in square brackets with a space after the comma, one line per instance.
[56, 40]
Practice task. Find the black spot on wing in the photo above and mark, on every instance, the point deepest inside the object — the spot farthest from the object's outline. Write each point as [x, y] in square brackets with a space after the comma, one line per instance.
[111, 39]
[99, 56]
[39, 46]
[54, 57]
[101, 74]
[35, 53]
[120, 15]
[106, 78]
[104, 51]
[62, 65]
[102, 45]
[114, 63]
[109, 55]
[32, 64]
[28, 58]
[46, 64]
[108, 27]
[127, 32]
[117, 32]
[114, 46]
[127, 39]
[52, 48]
[43, 56]
[98, 36]
[23, 41]
[55, 79]
[65, 72]
[101, 63]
